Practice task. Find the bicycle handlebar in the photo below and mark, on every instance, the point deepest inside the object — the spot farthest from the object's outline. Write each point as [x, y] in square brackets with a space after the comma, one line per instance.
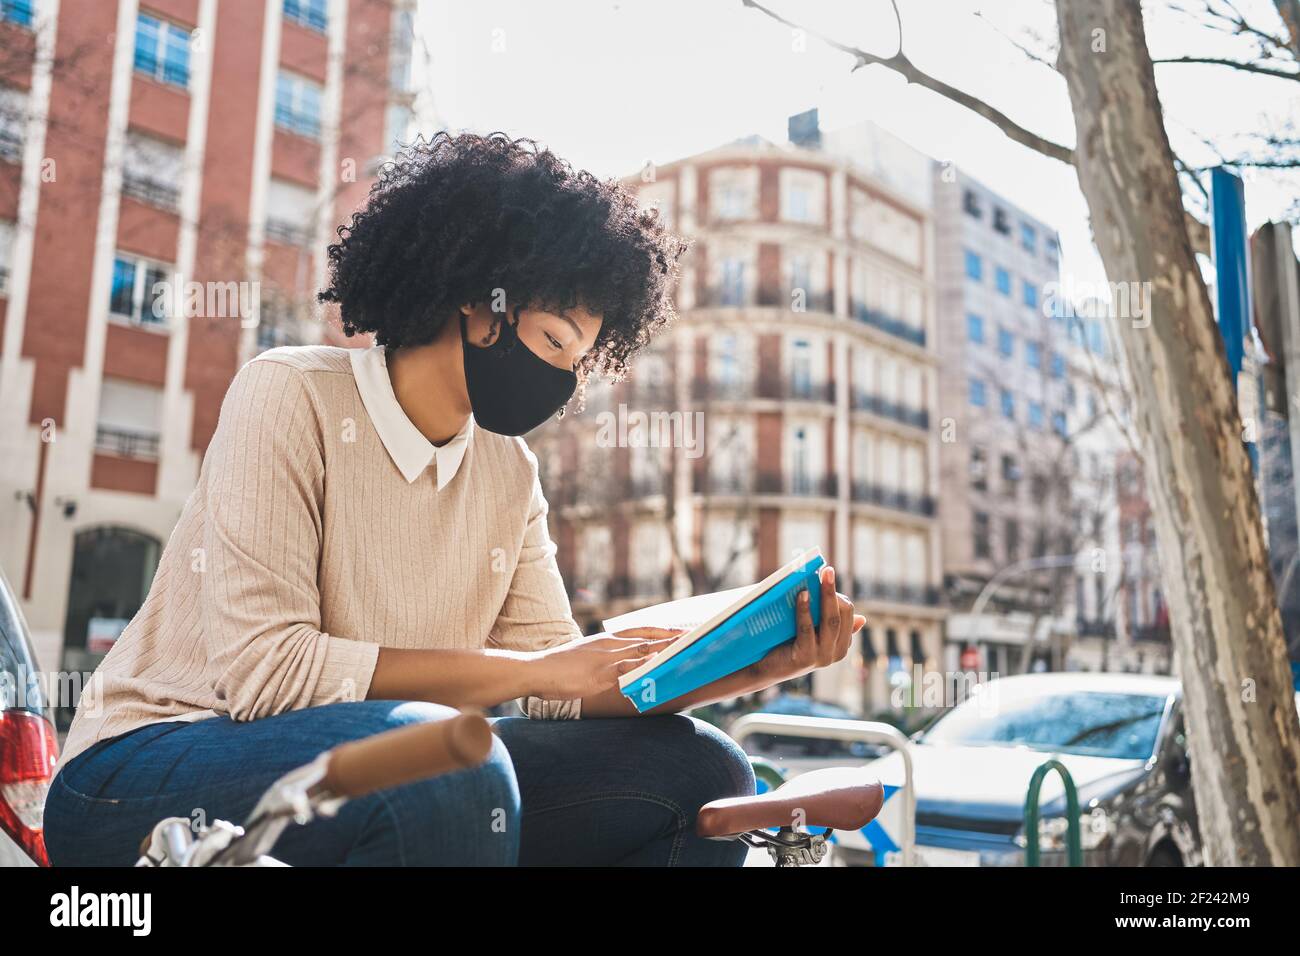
[407, 754]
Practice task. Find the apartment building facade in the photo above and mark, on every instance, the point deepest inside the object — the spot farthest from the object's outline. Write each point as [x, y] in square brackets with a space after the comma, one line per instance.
[790, 407]
[1005, 463]
[171, 173]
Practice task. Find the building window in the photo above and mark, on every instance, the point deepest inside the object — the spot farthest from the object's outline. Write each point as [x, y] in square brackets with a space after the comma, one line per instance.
[803, 196]
[1058, 423]
[290, 213]
[801, 385]
[1008, 404]
[1036, 414]
[1001, 224]
[129, 419]
[1010, 476]
[277, 322]
[1053, 250]
[399, 51]
[981, 536]
[397, 126]
[1003, 280]
[1029, 293]
[978, 396]
[1058, 365]
[139, 291]
[979, 479]
[297, 105]
[151, 171]
[975, 328]
[733, 282]
[970, 204]
[13, 122]
[1034, 355]
[16, 11]
[974, 266]
[1006, 342]
[307, 13]
[1011, 535]
[162, 50]
[1028, 238]
[733, 191]
[6, 252]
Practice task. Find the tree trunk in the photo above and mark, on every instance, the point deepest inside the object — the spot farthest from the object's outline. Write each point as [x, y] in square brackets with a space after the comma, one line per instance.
[1241, 713]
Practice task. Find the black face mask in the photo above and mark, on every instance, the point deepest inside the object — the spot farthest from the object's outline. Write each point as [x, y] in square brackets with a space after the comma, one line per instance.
[512, 390]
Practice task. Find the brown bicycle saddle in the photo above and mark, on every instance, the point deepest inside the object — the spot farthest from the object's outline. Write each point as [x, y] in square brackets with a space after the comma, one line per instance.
[840, 798]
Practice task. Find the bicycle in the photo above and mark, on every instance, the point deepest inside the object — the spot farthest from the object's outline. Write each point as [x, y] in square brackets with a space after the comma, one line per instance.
[834, 798]
[320, 789]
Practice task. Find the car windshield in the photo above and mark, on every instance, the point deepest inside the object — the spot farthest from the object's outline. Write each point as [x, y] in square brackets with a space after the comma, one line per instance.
[1089, 723]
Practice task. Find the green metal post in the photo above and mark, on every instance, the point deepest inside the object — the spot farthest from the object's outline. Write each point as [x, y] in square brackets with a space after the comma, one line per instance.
[1074, 839]
[767, 772]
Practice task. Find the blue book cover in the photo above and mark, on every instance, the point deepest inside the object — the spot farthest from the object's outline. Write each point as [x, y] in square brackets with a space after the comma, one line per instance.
[759, 619]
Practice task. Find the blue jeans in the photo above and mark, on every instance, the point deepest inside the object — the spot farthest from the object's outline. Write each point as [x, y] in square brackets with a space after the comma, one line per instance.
[569, 792]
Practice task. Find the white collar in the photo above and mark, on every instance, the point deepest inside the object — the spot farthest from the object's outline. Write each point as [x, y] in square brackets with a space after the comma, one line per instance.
[408, 448]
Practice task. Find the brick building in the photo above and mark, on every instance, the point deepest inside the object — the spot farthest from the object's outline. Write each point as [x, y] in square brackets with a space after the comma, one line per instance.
[804, 355]
[170, 173]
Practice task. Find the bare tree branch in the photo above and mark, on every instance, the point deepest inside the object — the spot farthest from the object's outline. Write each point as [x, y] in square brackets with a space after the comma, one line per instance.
[1234, 64]
[904, 67]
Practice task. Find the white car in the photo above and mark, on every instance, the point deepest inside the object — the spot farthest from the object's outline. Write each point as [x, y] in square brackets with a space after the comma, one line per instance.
[1120, 736]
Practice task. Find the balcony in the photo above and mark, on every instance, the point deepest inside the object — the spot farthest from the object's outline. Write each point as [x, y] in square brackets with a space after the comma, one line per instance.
[125, 443]
[868, 493]
[777, 297]
[887, 323]
[777, 387]
[647, 486]
[288, 233]
[737, 484]
[151, 192]
[797, 484]
[1087, 627]
[870, 589]
[724, 296]
[906, 414]
[784, 298]
[1152, 633]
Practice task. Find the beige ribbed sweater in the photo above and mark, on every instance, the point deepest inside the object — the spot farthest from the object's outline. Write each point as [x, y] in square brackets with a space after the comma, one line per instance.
[303, 550]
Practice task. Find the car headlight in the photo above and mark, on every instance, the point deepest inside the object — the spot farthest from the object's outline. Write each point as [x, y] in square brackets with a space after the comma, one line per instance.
[1054, 832]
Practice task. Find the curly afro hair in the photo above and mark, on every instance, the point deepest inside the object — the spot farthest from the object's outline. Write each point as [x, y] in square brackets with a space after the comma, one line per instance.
[453, 219]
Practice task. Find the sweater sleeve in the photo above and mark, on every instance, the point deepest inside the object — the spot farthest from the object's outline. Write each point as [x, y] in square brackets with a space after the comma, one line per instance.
[536, 612]
[260, 602]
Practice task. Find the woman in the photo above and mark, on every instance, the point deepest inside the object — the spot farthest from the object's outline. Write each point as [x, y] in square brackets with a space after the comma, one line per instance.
[367, 548]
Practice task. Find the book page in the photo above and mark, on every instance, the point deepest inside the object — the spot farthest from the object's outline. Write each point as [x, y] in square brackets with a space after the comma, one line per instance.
[683, 614]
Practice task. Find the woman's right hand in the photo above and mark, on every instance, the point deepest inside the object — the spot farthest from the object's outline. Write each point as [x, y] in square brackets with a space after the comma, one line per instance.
[589, 665]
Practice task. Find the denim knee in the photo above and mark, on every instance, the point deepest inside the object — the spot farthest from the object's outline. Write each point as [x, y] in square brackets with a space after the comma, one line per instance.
[465, 818]
[723, 768]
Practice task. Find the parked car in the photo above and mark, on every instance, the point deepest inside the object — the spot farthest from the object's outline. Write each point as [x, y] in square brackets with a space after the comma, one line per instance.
[1120, 736]
[778, 745]
[28, 745]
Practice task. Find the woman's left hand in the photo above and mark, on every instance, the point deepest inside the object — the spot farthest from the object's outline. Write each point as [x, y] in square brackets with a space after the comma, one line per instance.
[814, 647]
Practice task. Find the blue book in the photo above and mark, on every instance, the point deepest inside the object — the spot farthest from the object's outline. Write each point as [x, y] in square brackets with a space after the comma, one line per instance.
[726, 632]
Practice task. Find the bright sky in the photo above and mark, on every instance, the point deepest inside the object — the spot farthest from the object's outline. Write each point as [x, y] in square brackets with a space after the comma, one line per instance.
[610, 84]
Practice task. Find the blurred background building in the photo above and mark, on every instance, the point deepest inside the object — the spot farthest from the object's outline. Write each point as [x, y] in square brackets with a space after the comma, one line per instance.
[146, 148]
[1005, 487]
[807, 340]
